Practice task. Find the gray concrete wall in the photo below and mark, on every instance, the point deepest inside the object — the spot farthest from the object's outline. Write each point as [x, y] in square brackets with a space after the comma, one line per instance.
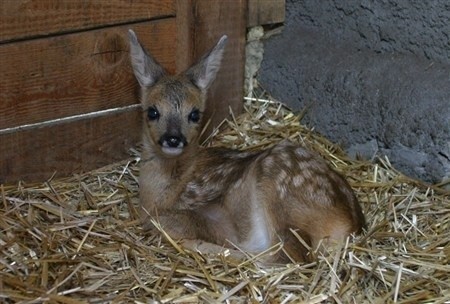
[375, 76]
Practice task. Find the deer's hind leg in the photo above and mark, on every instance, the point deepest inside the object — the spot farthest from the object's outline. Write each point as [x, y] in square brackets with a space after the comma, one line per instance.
[323, 230]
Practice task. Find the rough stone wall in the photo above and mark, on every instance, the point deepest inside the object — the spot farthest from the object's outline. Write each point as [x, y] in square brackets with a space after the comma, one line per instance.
[404, 26]
[374, 75]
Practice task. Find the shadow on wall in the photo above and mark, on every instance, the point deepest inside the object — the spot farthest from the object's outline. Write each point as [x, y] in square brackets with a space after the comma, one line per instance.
[376, 77]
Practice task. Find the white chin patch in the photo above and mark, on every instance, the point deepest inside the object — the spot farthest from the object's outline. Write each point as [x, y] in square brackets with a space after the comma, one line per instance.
[172, 151]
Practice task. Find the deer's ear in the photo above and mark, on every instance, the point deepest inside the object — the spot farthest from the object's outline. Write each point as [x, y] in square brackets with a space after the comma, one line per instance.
[203, 73]
[146, 69]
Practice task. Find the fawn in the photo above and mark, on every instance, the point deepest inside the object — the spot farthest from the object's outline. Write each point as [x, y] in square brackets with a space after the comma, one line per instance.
[222, 196]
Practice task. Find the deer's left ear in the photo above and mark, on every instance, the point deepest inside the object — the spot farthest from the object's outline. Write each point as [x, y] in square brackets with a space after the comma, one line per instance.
[204, 72]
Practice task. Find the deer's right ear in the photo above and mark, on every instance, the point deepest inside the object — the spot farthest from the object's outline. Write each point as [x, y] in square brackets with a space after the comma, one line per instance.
[146, 69]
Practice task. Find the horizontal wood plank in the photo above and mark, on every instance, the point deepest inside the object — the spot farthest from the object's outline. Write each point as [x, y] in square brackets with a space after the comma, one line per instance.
[20, 19]
[35, 155]
[262, 12]
[78, 73]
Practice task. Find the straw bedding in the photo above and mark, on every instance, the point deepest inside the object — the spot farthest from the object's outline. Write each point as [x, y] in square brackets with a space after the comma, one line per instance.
[78, 240]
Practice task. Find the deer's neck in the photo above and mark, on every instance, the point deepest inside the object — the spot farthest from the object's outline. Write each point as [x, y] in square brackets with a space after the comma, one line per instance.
[163, 178]
[176, 169]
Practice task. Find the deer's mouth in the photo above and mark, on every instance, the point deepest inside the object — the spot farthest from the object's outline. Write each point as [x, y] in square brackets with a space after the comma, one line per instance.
[172, 145]
[172, 151]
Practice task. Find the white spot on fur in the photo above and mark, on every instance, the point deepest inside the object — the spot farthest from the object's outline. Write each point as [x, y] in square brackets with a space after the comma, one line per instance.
[239, 155]
[238, 183]
[286, 159]
[224, 169]
[301, 153]
[282, 190]
[268, 162]
[298, 180]
[282, 176]
[192, 186]
[281, 183]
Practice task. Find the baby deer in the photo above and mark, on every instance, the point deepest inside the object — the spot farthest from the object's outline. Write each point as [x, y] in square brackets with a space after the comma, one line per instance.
[249, 199]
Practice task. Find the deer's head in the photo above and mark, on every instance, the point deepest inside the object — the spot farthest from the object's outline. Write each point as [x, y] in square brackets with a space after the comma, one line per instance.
[173, 105]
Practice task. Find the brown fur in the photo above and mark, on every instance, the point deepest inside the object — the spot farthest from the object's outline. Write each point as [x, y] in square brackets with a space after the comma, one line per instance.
[252, 200]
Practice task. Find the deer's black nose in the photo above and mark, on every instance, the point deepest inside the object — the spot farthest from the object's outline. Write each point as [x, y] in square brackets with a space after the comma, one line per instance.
[173, 141]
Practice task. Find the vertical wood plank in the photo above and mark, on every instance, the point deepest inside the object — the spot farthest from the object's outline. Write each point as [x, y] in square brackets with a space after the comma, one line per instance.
[185, 34]
[212, 19]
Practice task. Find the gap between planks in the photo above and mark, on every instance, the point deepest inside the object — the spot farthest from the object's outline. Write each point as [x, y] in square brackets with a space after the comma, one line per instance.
[58, 121]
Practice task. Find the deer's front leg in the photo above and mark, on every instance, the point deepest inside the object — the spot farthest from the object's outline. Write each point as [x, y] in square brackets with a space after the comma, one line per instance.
[178, 224]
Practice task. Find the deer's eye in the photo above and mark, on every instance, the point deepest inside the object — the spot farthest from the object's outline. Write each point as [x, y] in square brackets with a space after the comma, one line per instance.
[152, 113]
[194, 116]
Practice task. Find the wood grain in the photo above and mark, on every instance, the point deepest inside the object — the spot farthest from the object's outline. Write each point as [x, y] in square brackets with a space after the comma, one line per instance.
[78, 73]
[20, 19]
[212, 19]
[261, 12]
[35, 155]
[185, 34]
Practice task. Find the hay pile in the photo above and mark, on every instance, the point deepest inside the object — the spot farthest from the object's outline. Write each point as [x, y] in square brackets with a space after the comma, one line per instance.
[77, 240]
